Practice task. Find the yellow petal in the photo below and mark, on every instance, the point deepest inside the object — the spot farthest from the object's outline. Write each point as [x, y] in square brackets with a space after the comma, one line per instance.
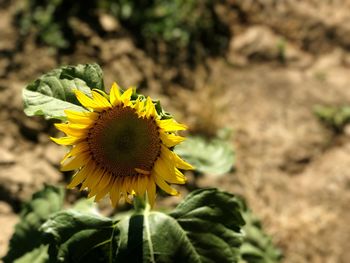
[79, 177]
[84, 100]
[93, 178]
[115, 94]
[89, 103]
[127, 184]
[143, 182]
[141, 171]
[75, 162]
[66, 140]
[150, 109]
[128, 199]
[168, 172]
[84, 118]
[126, 96]
[101, 185]
[151, 192]
[70, 130]
[77, 149]
[105, 179]
[133, 185]
[171, 125]
[170, 139]
[164, 186]
[125, 189]
[139, 106]
[101, 100]
[103, 193]
[115, 192]
[173, 157]
[179, 174]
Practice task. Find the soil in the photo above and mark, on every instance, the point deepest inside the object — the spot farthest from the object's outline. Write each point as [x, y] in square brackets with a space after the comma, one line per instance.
[292, 170]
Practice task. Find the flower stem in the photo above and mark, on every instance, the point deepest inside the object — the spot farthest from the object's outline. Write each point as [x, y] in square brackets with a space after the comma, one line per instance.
[139, 203]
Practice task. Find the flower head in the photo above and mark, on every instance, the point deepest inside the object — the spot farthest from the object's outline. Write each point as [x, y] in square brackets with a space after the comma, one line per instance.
[121, 146]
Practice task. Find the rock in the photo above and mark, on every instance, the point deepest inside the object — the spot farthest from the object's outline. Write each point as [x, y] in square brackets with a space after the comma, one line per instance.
[5, 208]
[115, 48]
[54, 154]
[7, 40]
[328, 61]
[46, 173]
[4, 64]
[256, 41]
[6, 157]
[28, 175]
[15, 183]
[7, 222]
[126, 71]
[7, 142]
[347, 130]
[109, 23]
[261, 44]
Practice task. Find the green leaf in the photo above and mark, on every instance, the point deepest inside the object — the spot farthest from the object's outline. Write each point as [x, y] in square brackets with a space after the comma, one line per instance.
[26, 241]
[333, 116]
[37, 255]
[257, 246]
[52, 93]
[215, 157]
[79, 237]
[85, 206]
[211, 221]
[205, 227]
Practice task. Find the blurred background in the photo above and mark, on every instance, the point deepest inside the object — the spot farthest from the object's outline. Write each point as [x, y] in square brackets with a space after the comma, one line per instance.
[273, 74]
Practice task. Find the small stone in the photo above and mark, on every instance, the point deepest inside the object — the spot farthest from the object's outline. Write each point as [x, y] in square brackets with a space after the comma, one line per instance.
[347, 130]
[7, 142]
[44, 173]
[15, 175]
[5, 208]
[7, 222]
[108, 23]
[260, 43]
[54, 154]
[6, 157]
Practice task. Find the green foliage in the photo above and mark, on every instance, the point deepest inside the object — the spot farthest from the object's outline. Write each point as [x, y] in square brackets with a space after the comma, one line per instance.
[26, 244]
[52, 93]
[206, 218]
[257, 247]
[205, 227]
[212, 222]
[333, 116]
[51, 20]
[80, 237]
[179, 24]
[214, 157]
[42, 17]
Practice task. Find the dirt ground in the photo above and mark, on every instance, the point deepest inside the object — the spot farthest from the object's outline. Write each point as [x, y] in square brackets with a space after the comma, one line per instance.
[290, 167]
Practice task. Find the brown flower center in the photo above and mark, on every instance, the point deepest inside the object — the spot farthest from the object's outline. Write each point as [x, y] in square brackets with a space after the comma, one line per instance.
[120, 141]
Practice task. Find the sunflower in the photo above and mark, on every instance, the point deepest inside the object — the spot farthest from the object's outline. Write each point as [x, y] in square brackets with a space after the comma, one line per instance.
[121, 146]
